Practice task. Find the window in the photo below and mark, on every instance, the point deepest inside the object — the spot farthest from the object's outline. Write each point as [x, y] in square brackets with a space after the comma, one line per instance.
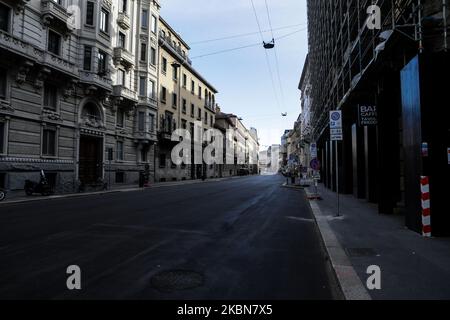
[2, 180]
[87, 60]
[153, 56]
[122, 40]
[50, 97]
[183, 124]
[152, 89]
[119, 151]
[199, 92]
[175, 73]
[4, 17]
[144, 155]
[154, 24]
[174, 99]
[143, 52]
[142, 86]
[121, 77]
[144, 23]
[120, 177]
[120, 118]
[212, 120]
[104, 21]
[141, 121]
[199, 115]
[152, 122]
[54, 42]
[164, 65]
[90, 13]
[192, 86]
[184, 81]
[3, 83]
[192, 110]
[184, 106]
[101, 62]
[162, 160]
[206, 118]
[124, 6]
[163, 94]
[49, 142]
[2, 137]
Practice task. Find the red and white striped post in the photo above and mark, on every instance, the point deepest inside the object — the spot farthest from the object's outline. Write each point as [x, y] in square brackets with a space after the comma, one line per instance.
[426, 211]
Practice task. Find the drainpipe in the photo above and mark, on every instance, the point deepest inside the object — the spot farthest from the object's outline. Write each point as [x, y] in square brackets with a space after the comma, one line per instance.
[444, 15]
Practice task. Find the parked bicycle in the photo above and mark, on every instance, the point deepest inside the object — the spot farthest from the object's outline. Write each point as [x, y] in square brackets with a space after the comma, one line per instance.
[2, 194]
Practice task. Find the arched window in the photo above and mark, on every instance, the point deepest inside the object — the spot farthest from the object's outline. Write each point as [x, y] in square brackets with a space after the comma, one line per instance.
[90, 111]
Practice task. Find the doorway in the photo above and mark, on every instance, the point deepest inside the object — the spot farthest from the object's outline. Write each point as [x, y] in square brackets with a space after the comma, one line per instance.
[90, 159]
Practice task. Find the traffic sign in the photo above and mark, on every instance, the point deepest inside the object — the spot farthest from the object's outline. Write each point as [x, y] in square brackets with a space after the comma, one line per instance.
[315, 164]
[336, 119]
[336, 126]
[313, 150]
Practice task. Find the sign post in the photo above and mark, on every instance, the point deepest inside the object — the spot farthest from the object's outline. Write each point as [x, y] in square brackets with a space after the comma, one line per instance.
[336, 135]
[110, 158]
[315, 165]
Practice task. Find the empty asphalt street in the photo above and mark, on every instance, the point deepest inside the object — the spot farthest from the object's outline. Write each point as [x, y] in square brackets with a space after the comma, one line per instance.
[245, 238]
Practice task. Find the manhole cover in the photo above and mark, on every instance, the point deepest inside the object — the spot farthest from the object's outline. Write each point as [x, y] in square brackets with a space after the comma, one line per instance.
[173, 280]
[361, 252]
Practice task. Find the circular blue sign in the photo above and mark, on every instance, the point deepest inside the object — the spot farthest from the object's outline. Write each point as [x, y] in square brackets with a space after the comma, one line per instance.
[335, 116]
[315, 164]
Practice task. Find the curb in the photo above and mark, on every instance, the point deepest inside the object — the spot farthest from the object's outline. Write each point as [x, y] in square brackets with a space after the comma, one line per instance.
[347, 278]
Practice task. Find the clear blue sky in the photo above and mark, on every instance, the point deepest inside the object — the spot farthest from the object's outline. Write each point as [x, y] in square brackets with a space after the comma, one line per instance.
[242, 76]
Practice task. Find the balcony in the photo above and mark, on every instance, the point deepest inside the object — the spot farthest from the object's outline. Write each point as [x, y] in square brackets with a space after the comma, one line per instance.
[18, 5]
[95, 79]
[36, 55]
[56, 15]
[168, 44]
[121, 92]
[167, 126]
[124, 20]
[123, 57]
[148, 101]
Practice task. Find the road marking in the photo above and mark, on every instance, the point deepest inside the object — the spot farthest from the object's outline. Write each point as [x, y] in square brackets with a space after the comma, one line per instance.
[300, 219]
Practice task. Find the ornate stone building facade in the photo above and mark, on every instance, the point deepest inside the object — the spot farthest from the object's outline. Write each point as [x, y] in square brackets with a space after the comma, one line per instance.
[77, 91]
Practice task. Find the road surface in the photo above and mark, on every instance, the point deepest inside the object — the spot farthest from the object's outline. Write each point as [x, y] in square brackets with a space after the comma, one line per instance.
[245, 238]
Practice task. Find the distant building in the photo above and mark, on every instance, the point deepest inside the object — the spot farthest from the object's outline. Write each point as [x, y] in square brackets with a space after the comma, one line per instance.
[185, 97]
[243, 142]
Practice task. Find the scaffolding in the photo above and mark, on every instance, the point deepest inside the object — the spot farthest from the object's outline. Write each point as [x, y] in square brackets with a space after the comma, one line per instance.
[342, 47]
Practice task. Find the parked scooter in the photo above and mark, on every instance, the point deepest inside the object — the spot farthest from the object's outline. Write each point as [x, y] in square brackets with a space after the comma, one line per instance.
[2, 194]
[41, 187]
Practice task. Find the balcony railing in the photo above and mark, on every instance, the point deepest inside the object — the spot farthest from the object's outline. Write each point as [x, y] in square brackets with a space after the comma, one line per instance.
[124, 20]
[148, 101]
[176, 49]
[52, 12]
[122, 92]
[96, 79]
[123, 57]
[37, 55]
[17, 4]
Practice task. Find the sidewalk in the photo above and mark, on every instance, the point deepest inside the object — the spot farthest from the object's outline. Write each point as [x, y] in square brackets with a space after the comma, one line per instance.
[412, 267]
[20, 197]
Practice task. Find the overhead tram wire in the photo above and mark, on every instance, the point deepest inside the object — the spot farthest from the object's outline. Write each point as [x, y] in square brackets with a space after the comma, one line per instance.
[277, 65]
[246, 46]
[246, 34]
[267, 56]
